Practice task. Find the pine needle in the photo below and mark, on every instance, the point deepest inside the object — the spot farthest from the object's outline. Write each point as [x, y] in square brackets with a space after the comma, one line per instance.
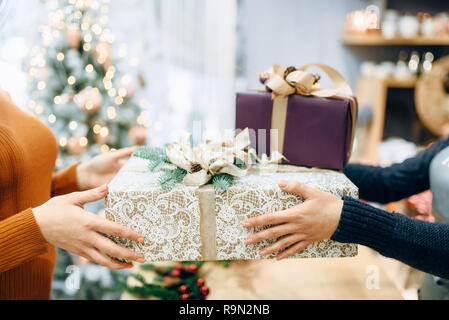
[222, 182]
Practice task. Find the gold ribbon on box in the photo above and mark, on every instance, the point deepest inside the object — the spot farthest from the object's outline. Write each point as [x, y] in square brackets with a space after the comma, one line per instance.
[285, 82]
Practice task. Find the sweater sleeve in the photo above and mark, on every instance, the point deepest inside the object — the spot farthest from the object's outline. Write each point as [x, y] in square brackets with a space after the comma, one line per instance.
[422, 245]
[398, 181]
[20, 240]
[65, 181]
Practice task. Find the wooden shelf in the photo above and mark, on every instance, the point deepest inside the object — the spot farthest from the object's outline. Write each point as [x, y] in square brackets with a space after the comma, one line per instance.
[401, 83]
[378, 40]
[373, 92]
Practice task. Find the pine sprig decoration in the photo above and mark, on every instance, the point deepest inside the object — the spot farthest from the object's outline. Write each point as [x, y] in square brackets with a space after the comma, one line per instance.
[179, 282]
[152, 290]
[222, 182]
[169, 178]
[159, 162]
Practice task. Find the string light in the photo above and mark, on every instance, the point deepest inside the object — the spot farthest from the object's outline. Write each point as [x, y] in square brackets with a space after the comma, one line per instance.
[84, 142]
[112, 92]
[41, 85]
[39, 109]
[71, 80]
[118, 100]
[97, 129]
[89, 68]
[73, 125]
[60, 57]
[88, 38]
[104, 148]
[52, 118]
[63, 142]
[104, 132]
[122, 92]
[31, 104]
[57, 100]
[108, 86]
[112, 114]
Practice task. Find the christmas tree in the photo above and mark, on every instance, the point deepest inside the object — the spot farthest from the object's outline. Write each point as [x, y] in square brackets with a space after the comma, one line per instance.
[75, 87]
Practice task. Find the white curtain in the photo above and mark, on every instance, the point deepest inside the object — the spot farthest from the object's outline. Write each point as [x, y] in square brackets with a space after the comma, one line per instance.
[183, 49]
[186, 53]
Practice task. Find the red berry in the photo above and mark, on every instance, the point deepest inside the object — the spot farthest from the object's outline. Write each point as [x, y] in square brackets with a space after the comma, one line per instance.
[204, 290]
[175, 273]
[166, 279]
[200, 282]
[185, 296]
[183, 289]
[193, 268]
[179, 267]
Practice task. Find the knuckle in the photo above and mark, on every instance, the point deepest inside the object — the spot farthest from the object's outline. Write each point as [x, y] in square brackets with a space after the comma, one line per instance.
[127, 233]
[272, 233]
[90, 222]
[295, 185]
[277, 246]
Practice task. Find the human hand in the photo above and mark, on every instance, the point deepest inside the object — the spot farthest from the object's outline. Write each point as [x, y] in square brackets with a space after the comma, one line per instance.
[65, 224]
[315, 219]
[101, 169]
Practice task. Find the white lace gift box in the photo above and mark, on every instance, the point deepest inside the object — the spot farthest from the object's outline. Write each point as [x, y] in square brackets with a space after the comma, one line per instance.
[201, 224]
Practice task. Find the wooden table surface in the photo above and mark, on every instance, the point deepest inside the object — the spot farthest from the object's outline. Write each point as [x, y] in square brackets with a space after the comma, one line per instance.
[341, 278]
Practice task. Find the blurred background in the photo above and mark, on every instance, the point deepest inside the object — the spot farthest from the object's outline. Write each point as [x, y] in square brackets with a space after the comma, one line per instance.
[108, 74]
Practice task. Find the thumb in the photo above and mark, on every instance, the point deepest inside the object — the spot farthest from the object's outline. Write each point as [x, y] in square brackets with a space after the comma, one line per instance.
[124, 153]
[297, 188]
[81, 198]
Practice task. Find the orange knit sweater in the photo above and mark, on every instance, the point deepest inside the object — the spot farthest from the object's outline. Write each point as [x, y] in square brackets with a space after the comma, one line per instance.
[28, 152]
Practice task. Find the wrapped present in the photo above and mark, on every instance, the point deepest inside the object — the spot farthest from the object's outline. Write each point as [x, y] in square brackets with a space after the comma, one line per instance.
[311, 126]
[189, 203]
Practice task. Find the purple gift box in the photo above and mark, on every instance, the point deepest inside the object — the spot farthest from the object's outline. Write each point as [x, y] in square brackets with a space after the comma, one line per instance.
[318, 131]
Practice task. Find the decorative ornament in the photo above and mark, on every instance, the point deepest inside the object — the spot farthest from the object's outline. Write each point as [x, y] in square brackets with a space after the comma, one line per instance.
[432, 98]
[200, 282]
[179, 267]
[103, 54]
[89, 100]
[76, 146]
[73, 35]
[175, 273]
[204, 291]
[185, 296]
[193, 268]
[138, 135]
[183, 289]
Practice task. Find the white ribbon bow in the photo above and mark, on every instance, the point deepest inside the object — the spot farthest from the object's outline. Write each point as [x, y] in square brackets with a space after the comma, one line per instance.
[212, 158]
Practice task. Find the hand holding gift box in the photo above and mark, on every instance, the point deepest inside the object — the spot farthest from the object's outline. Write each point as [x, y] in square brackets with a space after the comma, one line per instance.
[309, 125]
[185, 219]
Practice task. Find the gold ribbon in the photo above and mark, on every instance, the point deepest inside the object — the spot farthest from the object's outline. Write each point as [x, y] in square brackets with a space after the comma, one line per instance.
[286, 82]
[212, 158]
[208, 222]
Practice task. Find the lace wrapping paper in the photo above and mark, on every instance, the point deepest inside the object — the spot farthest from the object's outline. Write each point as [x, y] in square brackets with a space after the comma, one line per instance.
[178, 226]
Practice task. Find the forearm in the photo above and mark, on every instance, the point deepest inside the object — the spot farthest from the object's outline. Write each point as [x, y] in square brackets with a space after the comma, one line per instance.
[65, 181]
[398, 181]
[384, 185]
[20, 240]
[419, 244]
